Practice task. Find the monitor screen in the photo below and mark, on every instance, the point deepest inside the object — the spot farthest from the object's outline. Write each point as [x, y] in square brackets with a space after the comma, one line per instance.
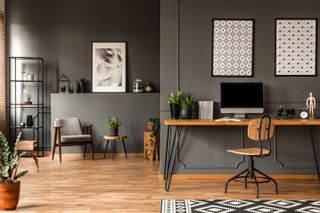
[241, 97]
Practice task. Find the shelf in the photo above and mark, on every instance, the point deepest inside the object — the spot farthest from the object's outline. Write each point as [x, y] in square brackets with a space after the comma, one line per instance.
[26, 58]
[25, 127]
[27, 106]
[27, 81]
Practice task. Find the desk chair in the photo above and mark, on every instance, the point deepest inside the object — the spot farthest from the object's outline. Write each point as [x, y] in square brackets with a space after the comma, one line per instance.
[259, 130]
[68, 132]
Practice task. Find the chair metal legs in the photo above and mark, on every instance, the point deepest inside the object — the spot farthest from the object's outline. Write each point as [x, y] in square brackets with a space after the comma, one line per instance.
[251, 172]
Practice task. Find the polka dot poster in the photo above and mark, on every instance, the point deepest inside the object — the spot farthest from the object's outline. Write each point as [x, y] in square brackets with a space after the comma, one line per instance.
[296, 47]
[232, 48]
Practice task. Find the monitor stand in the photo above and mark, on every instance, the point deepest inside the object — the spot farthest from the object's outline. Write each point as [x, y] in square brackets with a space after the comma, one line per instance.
[240, 116]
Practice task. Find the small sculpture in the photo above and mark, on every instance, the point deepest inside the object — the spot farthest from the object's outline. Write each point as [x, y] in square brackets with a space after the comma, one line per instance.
[311, 105]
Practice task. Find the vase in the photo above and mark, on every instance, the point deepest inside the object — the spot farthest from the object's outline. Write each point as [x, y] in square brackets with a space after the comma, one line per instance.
[175, 111]
[113, 131]
[186, 113]
[9, 195]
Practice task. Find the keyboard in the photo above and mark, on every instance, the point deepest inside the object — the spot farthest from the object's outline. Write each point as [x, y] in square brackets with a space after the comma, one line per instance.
[228, 119]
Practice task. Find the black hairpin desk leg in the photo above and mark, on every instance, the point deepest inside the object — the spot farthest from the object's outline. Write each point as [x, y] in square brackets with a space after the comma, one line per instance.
[171, 153]
[314, 152]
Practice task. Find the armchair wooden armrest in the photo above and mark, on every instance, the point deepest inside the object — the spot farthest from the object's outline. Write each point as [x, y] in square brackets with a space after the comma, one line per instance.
[88, 129]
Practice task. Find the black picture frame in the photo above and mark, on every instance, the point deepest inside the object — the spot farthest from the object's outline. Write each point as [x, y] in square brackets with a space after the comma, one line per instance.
[252, 47]
[275, 47]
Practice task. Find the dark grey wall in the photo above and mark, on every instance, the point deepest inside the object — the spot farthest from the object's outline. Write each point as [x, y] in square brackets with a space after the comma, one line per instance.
[133, 109]
[61, 31]
[205, 147]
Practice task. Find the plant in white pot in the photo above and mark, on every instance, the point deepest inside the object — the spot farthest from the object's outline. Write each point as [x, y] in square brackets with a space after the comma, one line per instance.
[9, 183]
[114, 124]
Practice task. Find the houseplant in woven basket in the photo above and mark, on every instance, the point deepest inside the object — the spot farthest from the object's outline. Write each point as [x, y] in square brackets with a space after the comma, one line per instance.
[9, 183]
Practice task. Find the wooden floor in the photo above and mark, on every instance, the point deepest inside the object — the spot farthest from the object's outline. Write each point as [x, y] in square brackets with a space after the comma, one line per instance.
[132, 185]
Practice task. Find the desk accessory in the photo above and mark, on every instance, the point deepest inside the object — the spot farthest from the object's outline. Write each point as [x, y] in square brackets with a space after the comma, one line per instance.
[290, 113]
[304, 114]
[311, 105]
[280, 112]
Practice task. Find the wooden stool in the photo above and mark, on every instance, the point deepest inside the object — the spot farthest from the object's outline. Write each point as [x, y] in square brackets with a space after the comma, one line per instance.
[114, 139]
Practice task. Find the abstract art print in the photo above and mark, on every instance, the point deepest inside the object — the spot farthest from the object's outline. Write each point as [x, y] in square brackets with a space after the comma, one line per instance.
[296, 47]
[108, 67]
[232, 47]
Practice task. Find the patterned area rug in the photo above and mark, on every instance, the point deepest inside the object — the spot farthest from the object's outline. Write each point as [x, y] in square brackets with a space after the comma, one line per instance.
[224, 206]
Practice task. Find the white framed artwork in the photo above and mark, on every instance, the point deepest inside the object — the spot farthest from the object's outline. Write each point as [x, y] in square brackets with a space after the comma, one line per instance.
[108, 66]
[296, 41]
[232, 46]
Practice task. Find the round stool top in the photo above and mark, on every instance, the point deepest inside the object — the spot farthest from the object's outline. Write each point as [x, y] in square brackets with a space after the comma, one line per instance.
[112, 137]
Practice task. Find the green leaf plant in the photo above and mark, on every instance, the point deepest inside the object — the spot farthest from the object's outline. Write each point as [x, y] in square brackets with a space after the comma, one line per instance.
[10, 161]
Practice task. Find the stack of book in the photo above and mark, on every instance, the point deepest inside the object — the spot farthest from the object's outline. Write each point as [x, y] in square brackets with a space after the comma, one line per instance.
[205, 109]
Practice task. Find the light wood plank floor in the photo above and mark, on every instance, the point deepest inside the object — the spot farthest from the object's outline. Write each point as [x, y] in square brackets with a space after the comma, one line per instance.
[132, 185]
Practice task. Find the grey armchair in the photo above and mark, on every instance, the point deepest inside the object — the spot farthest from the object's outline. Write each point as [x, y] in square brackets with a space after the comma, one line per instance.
[68, 132]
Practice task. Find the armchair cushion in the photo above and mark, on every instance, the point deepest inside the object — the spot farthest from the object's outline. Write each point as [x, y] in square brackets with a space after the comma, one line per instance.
[75, 138]
[70, 126]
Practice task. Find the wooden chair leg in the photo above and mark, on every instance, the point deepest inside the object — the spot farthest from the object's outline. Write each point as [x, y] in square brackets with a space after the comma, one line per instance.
[92, 152]
[85, 151]
[53, 151]
[60, 153]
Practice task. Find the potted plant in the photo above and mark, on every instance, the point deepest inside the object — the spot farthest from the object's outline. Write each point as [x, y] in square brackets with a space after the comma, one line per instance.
[174, 100]
[186, 106]
[9, 183]
[114, 124]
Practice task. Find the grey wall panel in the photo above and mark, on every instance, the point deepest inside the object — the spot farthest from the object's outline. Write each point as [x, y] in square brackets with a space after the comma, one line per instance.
[62, 31]
[205, 147]
[134, 110]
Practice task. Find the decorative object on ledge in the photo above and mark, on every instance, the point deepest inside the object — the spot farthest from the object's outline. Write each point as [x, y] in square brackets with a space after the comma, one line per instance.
[290, 113]
[29, 121]
[138, 85]
[148, 86]
[27, 99]
[311, 105]
[296, 47]
[108, 66]
[152, 140]
[63, 84]
[174, 100]
[114, 124]
[232, 47]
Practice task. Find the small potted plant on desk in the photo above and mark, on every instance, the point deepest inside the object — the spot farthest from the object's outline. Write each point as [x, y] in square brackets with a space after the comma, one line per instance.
[175, 101]
[186, 106]
[9, 183]
[114, 124]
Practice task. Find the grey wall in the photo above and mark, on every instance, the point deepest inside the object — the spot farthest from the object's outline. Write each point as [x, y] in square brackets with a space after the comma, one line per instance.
[61, 31]
[133, 109]
[205, 147]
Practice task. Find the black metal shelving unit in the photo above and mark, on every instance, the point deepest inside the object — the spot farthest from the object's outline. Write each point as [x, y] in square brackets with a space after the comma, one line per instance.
[17, 108]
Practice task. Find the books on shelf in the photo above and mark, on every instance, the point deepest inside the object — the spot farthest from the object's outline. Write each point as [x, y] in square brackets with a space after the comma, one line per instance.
[205, 109]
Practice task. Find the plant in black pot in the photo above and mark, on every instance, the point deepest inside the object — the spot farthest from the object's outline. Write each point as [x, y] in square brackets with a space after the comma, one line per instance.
[186, 106]
[174, 100]
[114, 124]
[9, 175]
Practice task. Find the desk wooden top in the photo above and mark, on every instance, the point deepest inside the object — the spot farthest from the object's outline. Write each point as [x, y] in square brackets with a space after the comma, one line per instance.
[281, 122]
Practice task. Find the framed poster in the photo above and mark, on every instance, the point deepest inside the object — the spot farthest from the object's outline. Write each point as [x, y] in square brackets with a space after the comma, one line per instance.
[108, 66]
[232, 45]
[296, 47]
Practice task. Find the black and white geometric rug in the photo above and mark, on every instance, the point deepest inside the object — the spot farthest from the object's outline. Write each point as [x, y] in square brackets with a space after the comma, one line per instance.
[225, 206]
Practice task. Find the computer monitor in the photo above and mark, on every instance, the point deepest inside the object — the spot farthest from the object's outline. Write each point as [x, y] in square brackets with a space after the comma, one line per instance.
[241, 98]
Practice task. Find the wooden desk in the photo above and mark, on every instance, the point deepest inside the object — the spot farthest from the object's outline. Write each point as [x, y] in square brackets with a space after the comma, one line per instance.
[172, 146]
